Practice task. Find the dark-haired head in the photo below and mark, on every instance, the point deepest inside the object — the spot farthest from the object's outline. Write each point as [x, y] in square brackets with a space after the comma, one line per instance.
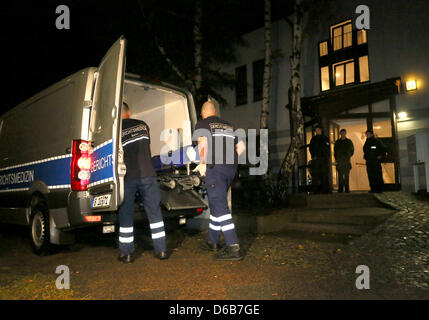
[126, 112]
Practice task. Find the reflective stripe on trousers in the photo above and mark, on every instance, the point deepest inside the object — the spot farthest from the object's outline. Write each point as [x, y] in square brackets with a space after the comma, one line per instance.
[218, 181]
[151, 197]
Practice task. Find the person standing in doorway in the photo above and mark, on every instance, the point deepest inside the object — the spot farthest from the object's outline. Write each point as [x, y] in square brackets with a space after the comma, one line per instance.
[343, 151]
[319, 150]
[374, 153]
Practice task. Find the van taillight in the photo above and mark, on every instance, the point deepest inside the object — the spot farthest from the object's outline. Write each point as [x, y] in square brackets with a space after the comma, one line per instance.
[80, 165]
[92, 218]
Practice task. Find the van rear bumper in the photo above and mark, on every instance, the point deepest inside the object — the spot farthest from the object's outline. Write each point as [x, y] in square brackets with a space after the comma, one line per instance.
[79, 206]
[187, 204]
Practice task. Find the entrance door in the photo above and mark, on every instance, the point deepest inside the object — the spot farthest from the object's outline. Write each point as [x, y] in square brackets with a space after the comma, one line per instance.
[382, 128]
[356, 129]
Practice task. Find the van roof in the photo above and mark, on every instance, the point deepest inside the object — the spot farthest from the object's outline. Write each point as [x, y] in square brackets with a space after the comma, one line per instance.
[61, 83]
[48, 90]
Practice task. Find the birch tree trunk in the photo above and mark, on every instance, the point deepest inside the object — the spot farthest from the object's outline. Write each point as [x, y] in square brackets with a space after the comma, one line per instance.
[297, 132]
[198, 39]
[266, 88]
[265, 109]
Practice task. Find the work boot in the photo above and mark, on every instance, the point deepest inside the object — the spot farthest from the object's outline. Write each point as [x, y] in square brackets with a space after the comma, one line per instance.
[231, 253]
[209, 246]
[126, 258]
[162, 255]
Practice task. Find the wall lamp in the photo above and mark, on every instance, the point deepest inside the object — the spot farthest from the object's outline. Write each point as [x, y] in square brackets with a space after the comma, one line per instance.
[411, 85]
[402, 116]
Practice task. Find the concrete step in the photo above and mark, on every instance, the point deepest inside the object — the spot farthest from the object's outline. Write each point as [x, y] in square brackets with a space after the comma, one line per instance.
[334, 200]
[327, 228]
[354, 216]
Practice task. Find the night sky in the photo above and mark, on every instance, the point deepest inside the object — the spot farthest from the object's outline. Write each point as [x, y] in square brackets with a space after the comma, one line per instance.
[35, 54]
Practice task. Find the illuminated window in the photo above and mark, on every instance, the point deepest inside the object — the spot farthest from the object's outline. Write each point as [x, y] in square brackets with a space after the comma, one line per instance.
[339, 75]
[341, 35]
[324, 77]
[338, 39]
[344, 72]
[350, 72]
[323, 47]
[361, 36]
[363, 68]
[347, 30]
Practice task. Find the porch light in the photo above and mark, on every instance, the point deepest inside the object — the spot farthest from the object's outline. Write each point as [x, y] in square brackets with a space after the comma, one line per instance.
[411, 85]
[402, 115]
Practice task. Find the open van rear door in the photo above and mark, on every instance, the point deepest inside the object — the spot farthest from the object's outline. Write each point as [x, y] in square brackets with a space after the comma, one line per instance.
[107, 168]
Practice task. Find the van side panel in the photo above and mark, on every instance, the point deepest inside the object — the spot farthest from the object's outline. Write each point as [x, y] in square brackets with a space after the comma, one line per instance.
[34, 140]
[45, 126]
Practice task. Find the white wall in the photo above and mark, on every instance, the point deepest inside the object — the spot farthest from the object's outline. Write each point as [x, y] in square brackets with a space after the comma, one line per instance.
[398, 46]
[248, 116]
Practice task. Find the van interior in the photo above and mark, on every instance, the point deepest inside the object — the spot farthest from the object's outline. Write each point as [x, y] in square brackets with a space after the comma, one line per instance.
[164, 110]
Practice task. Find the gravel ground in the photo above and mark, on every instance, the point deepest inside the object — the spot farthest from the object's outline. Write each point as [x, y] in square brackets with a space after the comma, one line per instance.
[276, 266]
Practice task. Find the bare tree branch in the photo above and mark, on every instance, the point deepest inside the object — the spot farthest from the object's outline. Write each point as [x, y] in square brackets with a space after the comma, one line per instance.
[198, 39]
[161, 49]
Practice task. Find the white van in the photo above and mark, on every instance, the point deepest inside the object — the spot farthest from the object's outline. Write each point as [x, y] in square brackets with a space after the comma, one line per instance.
[61, 156]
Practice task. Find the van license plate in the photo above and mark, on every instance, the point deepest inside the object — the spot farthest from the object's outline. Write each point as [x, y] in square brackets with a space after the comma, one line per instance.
[109, 229]
[101, 201]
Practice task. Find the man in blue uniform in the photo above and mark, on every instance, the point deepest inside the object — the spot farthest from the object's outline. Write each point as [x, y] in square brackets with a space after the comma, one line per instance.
[140, 177]
[374, 153]
[218, 150]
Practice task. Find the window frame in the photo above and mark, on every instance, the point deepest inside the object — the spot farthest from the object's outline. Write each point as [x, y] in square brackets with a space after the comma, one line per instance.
[344, 63]
[341, 25]
[320, 78]
[326, 44]
[368, 68]
[364, 36]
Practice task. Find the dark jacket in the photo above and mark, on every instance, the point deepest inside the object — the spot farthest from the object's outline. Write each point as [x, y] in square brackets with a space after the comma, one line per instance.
[372, 149]
[220, 132]
[319, 147]
[343, 150]
[136, 144]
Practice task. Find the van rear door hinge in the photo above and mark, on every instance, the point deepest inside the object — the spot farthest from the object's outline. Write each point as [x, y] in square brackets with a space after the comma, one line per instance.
[87, 104]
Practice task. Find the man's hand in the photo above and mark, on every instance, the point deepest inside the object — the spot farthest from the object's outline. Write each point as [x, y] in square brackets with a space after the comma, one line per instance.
[201, 168]
[240, 147]
[202, 149]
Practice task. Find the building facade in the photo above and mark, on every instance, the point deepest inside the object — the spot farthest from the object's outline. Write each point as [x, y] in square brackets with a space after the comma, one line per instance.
[352, 79]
